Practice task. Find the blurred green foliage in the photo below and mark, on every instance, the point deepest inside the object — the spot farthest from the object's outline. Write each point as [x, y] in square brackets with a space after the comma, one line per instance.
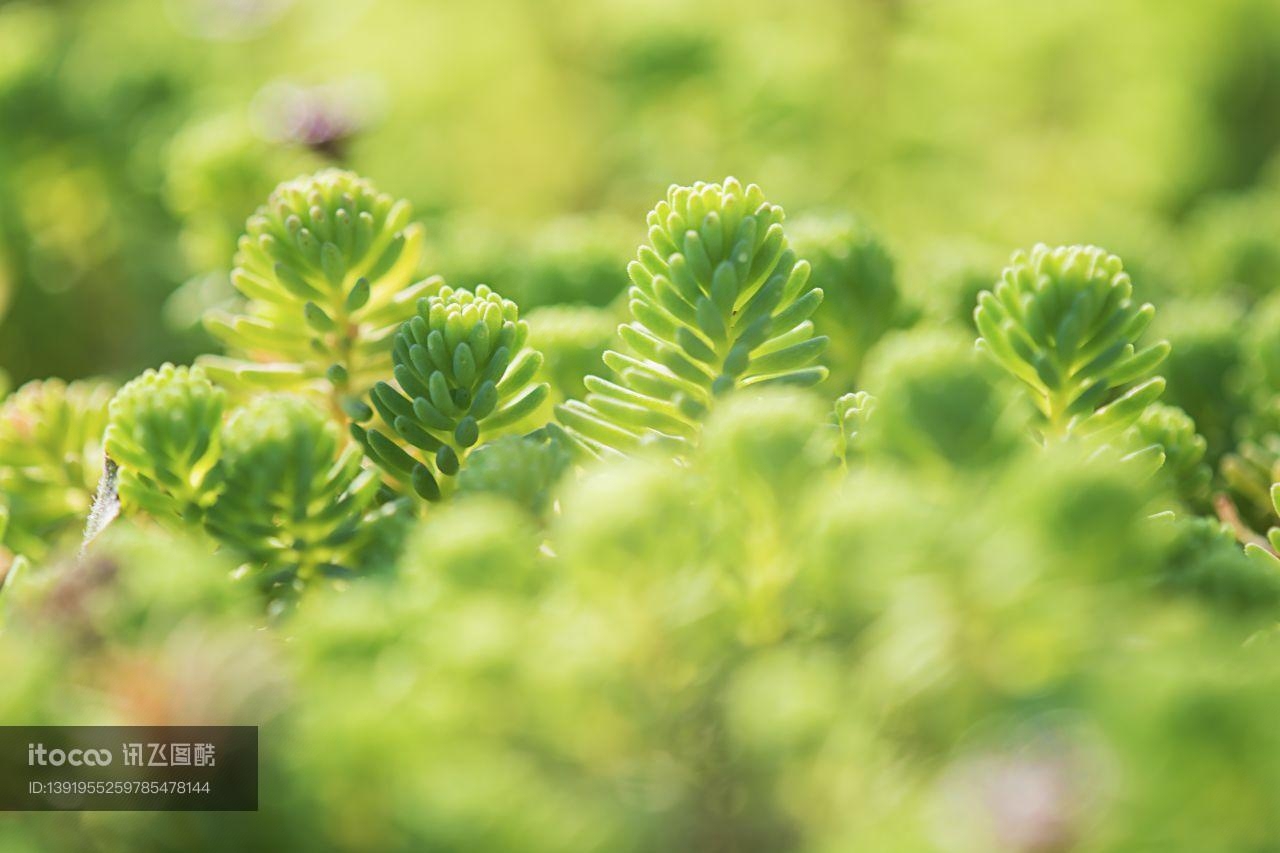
[51, 436]
[691, 657]
[938, 601]
[141, 138]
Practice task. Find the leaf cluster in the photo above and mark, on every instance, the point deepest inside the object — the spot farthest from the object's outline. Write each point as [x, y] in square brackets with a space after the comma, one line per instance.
[326, 268]
[718, 302]
[463, 376]
[1063, 321]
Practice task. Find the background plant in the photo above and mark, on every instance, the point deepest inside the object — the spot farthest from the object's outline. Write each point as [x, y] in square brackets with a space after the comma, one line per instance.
[861, 296]
[50, 461]
[641, 547]
[296, 504]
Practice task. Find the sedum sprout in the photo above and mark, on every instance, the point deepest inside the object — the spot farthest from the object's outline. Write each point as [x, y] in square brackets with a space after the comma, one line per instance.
[463, 376]
[164, 434]
[851, 413]
[1063, 321]
[718, 301]
[1174, 432]
[326, 267]
[297, 505]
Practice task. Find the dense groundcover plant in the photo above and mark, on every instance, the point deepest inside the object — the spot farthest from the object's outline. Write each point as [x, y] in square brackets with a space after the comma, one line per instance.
[921, 586]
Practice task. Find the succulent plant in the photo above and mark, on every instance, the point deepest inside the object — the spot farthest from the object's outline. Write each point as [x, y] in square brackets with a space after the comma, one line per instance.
[1173, 431]
[165, 434]
[1205, 561]
[852, 412]
[718, 302]
[217, 170]
[463, 376]
[327, 269]
[296, 505]
[1063, 321]
[775, 605]
[1260, 349]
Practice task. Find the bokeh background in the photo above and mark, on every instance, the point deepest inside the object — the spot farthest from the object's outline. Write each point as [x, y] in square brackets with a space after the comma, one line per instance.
[955, 640]
[136, 136]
